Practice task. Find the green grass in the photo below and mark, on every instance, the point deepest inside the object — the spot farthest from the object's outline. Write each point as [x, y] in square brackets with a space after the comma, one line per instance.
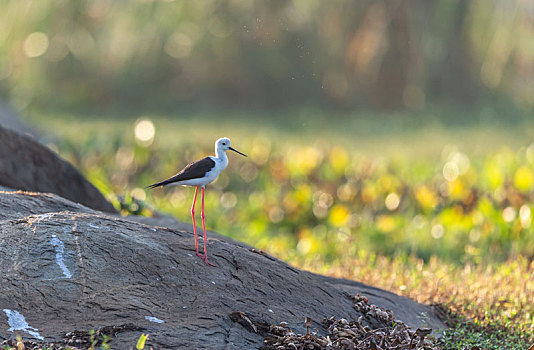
[440, 213]
[467, 336]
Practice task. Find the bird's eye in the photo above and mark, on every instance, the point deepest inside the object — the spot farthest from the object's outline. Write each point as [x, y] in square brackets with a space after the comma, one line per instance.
[224, 144]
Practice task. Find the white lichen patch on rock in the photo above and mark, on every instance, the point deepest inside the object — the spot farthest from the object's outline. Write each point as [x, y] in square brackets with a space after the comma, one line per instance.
[60, 259]
[17, 322]
[154, 319]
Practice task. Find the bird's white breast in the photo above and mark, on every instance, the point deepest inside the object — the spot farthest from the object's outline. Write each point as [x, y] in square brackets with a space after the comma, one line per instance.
[220, 165]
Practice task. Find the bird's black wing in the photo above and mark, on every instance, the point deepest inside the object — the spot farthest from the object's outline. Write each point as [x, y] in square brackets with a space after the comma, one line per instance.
[193, 170]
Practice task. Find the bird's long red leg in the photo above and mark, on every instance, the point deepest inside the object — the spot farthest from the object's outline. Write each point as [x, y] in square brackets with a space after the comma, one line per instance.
[204, 228]
[194, 224]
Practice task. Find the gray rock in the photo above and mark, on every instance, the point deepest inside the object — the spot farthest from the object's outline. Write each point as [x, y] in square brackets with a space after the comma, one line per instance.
[67, 268]
[19, 204]
[27, 165]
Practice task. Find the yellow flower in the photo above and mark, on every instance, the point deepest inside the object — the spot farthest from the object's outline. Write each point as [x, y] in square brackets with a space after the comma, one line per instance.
[523, 179]
[339, 215]
[385, 223]
[339, 159]
[426, 197]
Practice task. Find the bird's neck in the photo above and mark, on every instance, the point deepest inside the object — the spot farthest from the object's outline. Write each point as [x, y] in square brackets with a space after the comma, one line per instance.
[221, 155]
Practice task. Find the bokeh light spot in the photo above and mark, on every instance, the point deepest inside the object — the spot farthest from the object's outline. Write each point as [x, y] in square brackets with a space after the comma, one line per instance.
[461, 161]
[35, 44]
[144, 132]
[524, 215]
[139, 194]
[474, 235]
[304, 245]
[437, 231]
[81, 43]
[178, 45]
[392, 201]
[450, 171]
[276, 215]
[508, 214]
[228, 200]
[346, 192]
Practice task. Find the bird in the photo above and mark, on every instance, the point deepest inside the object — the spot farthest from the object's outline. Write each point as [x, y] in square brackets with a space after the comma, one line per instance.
[199, 174]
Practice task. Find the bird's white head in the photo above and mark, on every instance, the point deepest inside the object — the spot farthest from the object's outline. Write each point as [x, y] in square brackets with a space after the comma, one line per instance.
[223, 144]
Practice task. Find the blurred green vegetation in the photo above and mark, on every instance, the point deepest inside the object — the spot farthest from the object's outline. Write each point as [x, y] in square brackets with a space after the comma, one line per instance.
[307, 198]
[155, 55]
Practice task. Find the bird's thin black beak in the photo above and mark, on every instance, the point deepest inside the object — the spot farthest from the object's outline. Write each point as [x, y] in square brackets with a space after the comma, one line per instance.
[236, 151]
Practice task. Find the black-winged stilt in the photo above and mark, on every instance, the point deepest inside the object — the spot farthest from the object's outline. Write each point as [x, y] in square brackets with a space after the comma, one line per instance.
[199, 174]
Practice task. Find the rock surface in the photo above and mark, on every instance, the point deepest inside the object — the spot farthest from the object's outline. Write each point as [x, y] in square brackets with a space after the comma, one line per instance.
[66, 267]
[27, 165]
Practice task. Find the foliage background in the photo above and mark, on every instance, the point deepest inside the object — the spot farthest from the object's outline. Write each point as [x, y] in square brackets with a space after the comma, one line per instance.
[164, 55]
